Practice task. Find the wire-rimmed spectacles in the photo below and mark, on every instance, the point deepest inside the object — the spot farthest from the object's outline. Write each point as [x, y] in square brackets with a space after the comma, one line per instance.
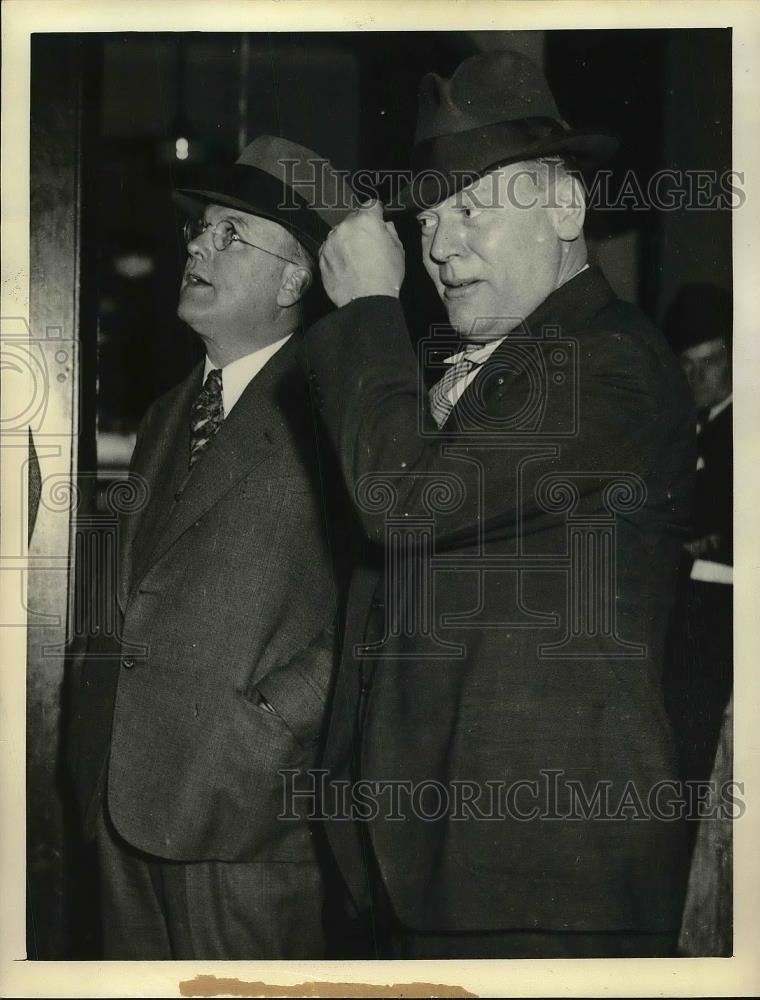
[222, 234]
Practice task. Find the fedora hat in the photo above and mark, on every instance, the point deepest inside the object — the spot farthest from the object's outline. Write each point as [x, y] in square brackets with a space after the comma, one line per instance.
[279, 180]
[496, 109]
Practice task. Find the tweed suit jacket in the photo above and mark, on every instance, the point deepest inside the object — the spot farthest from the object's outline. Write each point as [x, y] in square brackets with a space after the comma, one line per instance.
[527, 673]
[227, 595]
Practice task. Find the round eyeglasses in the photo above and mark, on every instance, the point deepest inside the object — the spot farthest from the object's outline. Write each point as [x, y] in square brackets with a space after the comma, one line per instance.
[222, 234]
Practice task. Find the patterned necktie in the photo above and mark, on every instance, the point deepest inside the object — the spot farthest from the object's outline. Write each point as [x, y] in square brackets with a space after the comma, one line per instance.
[207, 414]
[440, 403]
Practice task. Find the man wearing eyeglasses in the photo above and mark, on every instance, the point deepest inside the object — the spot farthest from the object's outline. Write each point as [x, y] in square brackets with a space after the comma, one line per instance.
[228, 585]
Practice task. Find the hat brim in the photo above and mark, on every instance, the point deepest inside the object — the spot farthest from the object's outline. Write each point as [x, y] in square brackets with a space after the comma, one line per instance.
[446, 164]
[248, 189]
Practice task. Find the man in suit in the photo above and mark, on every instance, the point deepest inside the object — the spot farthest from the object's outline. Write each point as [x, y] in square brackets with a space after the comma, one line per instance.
[228, 583]
[507, 658]
[701, 670]
[699, 325]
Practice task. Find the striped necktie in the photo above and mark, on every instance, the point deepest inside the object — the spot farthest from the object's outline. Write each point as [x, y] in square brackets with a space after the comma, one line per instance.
[207, 414]
[441, 404]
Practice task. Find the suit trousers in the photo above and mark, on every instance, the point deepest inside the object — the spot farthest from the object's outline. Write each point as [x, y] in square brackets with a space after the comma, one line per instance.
[157, 909]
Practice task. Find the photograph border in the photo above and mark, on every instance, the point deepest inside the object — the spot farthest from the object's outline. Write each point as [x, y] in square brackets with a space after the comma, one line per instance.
[739, 975]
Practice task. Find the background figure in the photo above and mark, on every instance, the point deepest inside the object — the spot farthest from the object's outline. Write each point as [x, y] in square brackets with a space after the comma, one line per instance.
[699, 681]
[229, 575]
[700, 676]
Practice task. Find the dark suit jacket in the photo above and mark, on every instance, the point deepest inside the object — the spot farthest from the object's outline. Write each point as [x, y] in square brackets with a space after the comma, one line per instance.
[227, 593]
[713, 490]
[514, 703]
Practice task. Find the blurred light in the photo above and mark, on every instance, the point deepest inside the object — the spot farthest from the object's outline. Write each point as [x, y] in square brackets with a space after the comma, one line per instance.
[133, 265]
[173, 152]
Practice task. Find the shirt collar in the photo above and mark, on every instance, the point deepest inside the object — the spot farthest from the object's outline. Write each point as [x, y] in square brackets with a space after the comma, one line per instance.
[475, 354]
[237, 375]
[719, 407]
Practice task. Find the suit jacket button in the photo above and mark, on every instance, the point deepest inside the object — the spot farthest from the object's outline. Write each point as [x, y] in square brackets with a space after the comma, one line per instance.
[127, 662]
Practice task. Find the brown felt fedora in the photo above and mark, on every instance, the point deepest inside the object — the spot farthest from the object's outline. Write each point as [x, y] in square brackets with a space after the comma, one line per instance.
[496, 109]
[278, 180]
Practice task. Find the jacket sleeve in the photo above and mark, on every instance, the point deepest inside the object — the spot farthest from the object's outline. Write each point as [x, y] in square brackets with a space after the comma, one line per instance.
[364, 375]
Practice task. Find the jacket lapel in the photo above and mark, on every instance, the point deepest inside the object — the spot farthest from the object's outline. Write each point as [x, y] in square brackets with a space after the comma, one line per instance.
[252, 432]
[163, 463]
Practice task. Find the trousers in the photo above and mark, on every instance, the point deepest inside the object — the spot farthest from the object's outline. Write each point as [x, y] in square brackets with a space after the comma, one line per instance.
[152, 908]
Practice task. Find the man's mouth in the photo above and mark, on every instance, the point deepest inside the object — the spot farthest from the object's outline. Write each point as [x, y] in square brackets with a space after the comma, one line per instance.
[195, 280]
[459, 289]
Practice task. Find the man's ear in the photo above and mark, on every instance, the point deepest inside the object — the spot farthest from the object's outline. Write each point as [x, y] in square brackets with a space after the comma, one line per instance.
[296, 281]
[569, 209]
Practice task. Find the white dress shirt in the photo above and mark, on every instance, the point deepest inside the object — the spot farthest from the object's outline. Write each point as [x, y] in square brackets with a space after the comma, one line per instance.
[238, 374]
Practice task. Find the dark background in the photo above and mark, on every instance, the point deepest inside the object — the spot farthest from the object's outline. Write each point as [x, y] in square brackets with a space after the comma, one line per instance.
[352, 98]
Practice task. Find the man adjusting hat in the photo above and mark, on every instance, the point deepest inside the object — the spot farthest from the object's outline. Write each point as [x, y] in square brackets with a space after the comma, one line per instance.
[503, 668]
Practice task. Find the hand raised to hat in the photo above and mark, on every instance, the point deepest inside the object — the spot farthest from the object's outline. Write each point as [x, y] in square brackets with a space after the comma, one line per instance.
[362, 256]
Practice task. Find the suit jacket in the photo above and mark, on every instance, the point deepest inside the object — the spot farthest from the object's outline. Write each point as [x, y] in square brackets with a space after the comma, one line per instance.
[531, 681]
[227, 595]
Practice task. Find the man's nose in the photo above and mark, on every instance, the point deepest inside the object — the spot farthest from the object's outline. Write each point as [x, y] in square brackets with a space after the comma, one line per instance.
[446, 243]
[202, 244]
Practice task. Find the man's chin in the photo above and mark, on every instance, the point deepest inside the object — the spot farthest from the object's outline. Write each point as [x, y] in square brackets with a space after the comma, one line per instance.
[481, 326]
[472, 326]
[187, 311]
[460, 318]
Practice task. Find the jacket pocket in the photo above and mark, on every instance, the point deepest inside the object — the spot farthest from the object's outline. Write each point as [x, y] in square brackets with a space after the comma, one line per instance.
[288, 706]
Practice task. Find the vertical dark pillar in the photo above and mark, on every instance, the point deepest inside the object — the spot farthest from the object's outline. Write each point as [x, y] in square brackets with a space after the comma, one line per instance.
[58, 308]
[695, 239]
